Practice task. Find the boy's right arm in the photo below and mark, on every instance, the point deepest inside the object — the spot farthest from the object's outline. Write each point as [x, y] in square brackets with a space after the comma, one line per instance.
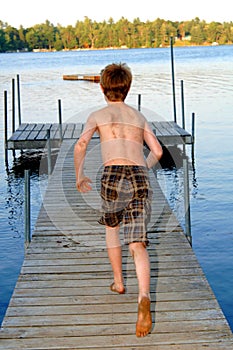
[82, 181]
[156, 150]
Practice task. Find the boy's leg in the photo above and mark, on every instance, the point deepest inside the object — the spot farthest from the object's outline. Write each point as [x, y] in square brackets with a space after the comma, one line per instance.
[115, 256]
[142, 264]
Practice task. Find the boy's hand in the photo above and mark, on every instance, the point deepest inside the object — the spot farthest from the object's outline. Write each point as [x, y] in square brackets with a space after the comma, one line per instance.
[83, 185]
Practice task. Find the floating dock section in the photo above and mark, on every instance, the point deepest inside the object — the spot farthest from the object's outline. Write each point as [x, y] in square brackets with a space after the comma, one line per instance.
[87, 77]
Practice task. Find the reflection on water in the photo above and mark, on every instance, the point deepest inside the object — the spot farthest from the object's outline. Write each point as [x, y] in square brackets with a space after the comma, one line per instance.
[32, 160]
[14, 197]
[14, 204]
[12, 216]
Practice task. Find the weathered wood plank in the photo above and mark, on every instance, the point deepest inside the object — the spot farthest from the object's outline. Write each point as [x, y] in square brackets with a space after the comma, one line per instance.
[126, 328]
[68, 134]
[78, 309]
[158, 295]
[77, 131]
[119, 318]
[115, 339]
[33, 135]
[22, 126]
[24, 135]
[14, 137]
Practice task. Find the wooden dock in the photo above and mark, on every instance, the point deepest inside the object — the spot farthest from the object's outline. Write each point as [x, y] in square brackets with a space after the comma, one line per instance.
[62, 298]
[34, 136]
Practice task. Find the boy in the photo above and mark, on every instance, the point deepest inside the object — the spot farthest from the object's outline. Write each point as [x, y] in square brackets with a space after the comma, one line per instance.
[125, 187]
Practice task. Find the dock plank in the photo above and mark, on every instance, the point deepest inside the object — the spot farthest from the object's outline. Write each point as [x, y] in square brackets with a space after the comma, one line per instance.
[117, 340]
[62, 298]
[33, 135]
[69, 131]
[22, 126]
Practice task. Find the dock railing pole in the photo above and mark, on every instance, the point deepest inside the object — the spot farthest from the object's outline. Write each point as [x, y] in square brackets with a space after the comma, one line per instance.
[13, 106]
[173, 79]
[139, 102]
[193, 135]
[49, 153]
[60, 119]
[5, 127]
[13, 111]
[27, 209]
[187, 202]
[182, 104]
[193, 126]
[19, 102]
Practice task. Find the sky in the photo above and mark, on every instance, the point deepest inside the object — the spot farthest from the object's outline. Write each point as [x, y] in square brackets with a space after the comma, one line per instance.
[28, 13]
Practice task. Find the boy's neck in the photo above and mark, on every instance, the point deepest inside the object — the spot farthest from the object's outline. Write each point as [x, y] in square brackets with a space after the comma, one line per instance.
[115, 102]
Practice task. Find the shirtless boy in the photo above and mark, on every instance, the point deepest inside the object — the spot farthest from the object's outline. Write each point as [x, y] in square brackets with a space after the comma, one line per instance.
[125, 186]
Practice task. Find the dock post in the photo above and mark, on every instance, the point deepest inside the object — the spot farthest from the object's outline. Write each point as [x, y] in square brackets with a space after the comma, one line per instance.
[139, 102]
[19, 101]
[13, 106]
[193, 135]
[13, 111]
[49, 152]
[60, 119]
[5, 128]
[27, 209]
[187, 202]
[193, 125]
[173, 79]
[182, 104]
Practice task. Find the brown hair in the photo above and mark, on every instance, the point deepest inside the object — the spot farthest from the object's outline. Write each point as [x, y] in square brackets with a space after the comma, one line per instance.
[115, 80]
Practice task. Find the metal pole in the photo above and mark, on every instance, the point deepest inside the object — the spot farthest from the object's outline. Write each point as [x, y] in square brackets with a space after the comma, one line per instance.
[49, 152]
[60, 118]
[13, 106]
[187, 202]
[19, 102]
[173, 79]
[182, 104]
[193, 135]
[193, 126]
[5, 127]
[27, 209]
[139, 102]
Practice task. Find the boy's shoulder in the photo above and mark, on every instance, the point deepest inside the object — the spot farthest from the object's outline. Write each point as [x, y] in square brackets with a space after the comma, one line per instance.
[97, 115]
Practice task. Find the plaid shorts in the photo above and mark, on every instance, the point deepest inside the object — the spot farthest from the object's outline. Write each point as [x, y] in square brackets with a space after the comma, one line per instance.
[126, 198]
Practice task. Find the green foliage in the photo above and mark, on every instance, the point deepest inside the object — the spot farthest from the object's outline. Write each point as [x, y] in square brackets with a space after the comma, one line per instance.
[110, 34]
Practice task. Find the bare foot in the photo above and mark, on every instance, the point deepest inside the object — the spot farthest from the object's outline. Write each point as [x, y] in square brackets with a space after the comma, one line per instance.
[144, 321]
[120, 289]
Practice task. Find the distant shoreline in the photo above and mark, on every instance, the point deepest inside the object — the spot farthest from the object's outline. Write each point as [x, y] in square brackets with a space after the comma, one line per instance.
[89, 35]
[176, 45]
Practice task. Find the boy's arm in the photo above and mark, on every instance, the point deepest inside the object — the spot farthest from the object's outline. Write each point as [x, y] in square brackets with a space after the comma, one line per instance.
[156, 150]
[82, 181]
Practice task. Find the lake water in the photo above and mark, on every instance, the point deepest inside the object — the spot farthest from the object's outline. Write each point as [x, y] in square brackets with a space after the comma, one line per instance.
[208, 89]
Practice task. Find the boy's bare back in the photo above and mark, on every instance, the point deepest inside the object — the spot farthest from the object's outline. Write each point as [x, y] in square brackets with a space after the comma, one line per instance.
[122, 131]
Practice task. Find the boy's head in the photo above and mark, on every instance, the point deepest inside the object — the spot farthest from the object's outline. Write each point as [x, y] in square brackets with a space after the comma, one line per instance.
[115, 80]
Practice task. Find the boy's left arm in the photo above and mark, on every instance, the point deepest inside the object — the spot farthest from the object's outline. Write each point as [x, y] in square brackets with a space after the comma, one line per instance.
[83, 182]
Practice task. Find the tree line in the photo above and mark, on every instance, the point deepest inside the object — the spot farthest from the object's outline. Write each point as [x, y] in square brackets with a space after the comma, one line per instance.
[89, 34]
